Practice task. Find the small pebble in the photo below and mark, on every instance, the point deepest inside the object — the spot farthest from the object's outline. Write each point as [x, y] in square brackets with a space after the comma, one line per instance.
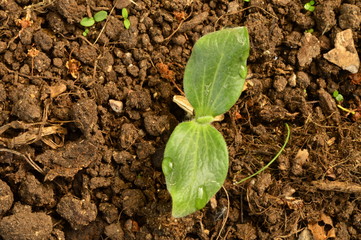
[117, 106]
[133, 70]
[292, 80]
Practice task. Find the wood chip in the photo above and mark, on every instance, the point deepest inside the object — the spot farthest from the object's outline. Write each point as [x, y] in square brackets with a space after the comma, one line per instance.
[346, 187]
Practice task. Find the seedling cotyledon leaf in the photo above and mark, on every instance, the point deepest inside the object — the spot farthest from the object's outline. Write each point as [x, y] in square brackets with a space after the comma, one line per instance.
[87, 22]
[310, 6]
[337, 96]
[100, 16]
[126, 21]
[90, 21]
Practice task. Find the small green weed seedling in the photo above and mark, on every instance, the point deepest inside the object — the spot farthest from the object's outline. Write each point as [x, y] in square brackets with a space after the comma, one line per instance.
[310, 30]
[337, 96]
[195, 161]
[310, 6]
[126, 21]
[90, 21]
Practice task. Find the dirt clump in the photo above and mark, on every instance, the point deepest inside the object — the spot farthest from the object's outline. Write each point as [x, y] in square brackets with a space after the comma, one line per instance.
[25, 224]
[78, 212]
[7, 197]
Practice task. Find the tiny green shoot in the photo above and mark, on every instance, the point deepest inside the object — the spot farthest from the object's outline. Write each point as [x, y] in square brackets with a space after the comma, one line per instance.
[126, 21]
[337, 96]
[310, 30]
[246, 0]
[196, 158]
[310, 6]
[86, 31]
[90, 21]
[273, 159]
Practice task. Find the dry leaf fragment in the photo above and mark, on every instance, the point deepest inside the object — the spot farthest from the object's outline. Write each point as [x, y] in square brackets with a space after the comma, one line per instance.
[33, 52]
[24, 23]
[179, 15]
[165, 72]
[32, 134]
[73, 66]
[294, 203]
[322, 229]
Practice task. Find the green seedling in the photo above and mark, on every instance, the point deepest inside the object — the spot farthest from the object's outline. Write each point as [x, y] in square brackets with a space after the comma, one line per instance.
[126, 21]
[310, 6]
[195, 161]
[337, 96]
[90, 21]
[86, 31]
[310, 30]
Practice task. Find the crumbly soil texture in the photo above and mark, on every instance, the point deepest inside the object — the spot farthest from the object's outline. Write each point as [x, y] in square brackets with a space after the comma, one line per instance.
[84, 119]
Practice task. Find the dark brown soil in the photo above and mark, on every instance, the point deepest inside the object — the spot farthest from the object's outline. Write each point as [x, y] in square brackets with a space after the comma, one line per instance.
[84, 120]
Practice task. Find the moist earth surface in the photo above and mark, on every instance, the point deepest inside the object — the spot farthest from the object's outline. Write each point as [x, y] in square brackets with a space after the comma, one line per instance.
[85, 116]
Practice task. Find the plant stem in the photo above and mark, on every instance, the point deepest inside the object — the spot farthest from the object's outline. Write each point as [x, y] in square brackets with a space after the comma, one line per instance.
[273, 159]
[345, 109]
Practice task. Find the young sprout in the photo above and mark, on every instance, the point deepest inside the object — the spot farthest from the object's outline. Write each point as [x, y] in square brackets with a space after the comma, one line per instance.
[90, 21]
[126, 21]
[195, 161]
[86, 31]
[337, 96]
[310, 6]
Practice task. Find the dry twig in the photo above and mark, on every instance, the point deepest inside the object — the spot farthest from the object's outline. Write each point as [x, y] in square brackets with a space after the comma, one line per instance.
[105, 24]
[337, 186]
[26, 157]
[227, 214]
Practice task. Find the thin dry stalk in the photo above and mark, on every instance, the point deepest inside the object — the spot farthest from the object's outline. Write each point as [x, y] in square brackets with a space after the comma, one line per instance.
[105, 24]
[227, 214]
[26, 157]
